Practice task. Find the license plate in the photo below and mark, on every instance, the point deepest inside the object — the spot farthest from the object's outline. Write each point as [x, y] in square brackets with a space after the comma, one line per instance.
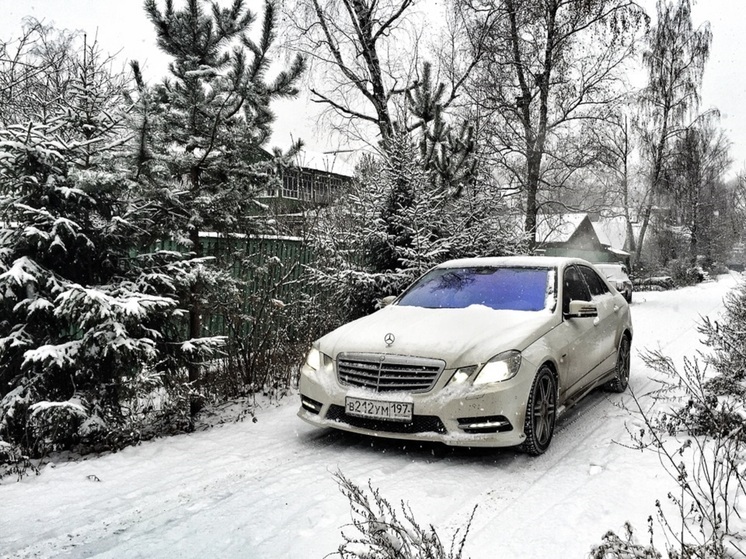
[376, 409]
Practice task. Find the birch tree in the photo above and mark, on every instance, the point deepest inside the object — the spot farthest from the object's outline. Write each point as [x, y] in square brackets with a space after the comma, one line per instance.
[549, 65]
[617, 144]
[697, 189]
[357, 48]
[371, 74]
[36, 69]
[675, 57]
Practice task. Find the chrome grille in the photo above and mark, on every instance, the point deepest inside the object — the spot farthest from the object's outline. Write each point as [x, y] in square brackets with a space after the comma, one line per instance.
[388, 373]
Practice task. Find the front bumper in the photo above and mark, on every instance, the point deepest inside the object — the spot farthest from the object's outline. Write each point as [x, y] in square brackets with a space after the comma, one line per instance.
[462, 415]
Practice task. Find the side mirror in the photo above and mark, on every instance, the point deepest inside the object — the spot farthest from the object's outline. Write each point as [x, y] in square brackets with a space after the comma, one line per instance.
[386, 301]
[582, 309]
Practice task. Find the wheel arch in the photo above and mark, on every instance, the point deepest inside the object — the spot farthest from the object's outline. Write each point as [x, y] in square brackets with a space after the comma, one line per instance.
[626, 332]
[553, 366]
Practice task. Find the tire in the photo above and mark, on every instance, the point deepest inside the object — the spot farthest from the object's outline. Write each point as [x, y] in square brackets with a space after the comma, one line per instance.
[629, 298]
[541, 413]
[621, 379]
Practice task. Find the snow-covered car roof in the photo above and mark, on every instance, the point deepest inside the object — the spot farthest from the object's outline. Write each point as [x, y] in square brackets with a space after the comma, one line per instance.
[609, 265]
[541, 261]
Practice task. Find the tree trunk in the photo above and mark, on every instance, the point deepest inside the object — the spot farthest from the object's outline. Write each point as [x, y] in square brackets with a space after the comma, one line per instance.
[657, 169]
[532, 188]
[643, 231]
[195, 312]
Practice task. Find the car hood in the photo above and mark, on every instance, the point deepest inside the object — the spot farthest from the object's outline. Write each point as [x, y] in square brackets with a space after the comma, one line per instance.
[460, 337]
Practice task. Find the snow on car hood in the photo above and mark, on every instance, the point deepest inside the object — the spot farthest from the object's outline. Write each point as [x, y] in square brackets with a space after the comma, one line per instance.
[461, 337]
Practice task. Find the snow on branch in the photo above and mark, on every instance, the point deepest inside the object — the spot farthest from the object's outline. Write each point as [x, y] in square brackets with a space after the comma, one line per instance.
[61, 355]
[24, 271]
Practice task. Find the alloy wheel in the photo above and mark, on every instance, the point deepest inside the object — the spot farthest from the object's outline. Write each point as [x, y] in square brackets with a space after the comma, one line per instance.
[541, 413]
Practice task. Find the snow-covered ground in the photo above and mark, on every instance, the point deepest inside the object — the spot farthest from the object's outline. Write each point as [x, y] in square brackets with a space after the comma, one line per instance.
[266, 489]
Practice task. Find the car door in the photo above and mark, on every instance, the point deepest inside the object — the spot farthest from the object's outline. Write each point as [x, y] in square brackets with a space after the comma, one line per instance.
[575, 336]
[605, 325]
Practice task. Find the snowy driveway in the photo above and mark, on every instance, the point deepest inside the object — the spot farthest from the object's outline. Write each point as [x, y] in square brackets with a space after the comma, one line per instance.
[266, 489]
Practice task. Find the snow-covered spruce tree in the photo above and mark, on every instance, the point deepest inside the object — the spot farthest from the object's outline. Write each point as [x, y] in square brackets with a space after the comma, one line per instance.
[394, 224]
[203, 129]
[84, 320]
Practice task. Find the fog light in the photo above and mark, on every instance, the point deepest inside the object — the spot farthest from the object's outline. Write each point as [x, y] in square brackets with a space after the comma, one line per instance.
[311, 405]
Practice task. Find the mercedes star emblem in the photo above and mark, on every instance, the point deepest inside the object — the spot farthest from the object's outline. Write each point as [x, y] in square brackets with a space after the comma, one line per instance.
[389, 339]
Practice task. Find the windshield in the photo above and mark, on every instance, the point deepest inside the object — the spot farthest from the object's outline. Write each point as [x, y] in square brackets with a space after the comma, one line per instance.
[501, 288]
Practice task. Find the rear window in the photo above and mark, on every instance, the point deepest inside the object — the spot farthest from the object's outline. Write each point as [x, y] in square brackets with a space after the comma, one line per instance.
[501, 288]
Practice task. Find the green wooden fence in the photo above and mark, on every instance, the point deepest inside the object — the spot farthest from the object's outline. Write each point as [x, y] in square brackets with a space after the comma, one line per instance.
[268, 265]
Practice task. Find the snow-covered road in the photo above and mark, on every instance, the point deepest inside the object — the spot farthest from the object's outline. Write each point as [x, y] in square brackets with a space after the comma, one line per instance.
[266, 489]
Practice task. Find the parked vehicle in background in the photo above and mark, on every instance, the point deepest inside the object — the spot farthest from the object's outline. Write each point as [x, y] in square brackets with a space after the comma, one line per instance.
[477, 352]
[617, 276]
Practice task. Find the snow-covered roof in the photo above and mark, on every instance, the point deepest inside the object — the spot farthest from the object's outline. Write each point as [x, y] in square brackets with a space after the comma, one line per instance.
[603, 238]
[619, 252]
[341, 163]
[557, 228]
[612, 231]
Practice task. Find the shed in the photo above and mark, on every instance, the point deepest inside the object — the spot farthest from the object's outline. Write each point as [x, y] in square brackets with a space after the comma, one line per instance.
[570, 234]
[613, 235]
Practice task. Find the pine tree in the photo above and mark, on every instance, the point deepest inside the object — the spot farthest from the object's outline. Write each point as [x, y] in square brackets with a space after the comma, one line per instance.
[447, 154]
[204, 128]
[211, 118]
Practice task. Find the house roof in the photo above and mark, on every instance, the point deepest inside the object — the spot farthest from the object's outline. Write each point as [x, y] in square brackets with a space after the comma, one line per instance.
[338, 163]
[612, 231]
[558, 228]
[603, 238]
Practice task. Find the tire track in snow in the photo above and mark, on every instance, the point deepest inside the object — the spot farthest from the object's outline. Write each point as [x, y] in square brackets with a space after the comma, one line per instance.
[201, 478]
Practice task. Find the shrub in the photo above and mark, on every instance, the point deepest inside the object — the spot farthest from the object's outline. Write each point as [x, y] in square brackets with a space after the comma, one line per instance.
[615, 547]
[684, 273]
[383, 534]
[701, 441]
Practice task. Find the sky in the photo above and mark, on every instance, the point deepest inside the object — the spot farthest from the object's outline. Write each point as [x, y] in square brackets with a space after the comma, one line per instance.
[122, 27]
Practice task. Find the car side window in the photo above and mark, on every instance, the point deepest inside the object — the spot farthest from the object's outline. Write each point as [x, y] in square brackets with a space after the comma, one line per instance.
[573, 288]
[596, 285]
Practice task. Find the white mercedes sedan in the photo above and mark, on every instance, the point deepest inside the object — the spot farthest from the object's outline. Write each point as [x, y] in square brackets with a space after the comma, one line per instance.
[477, 352]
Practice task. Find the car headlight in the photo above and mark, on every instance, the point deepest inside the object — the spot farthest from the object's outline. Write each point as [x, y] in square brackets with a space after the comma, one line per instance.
[317, 360]
[462, 375]
[313, 359]
[500, 368]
